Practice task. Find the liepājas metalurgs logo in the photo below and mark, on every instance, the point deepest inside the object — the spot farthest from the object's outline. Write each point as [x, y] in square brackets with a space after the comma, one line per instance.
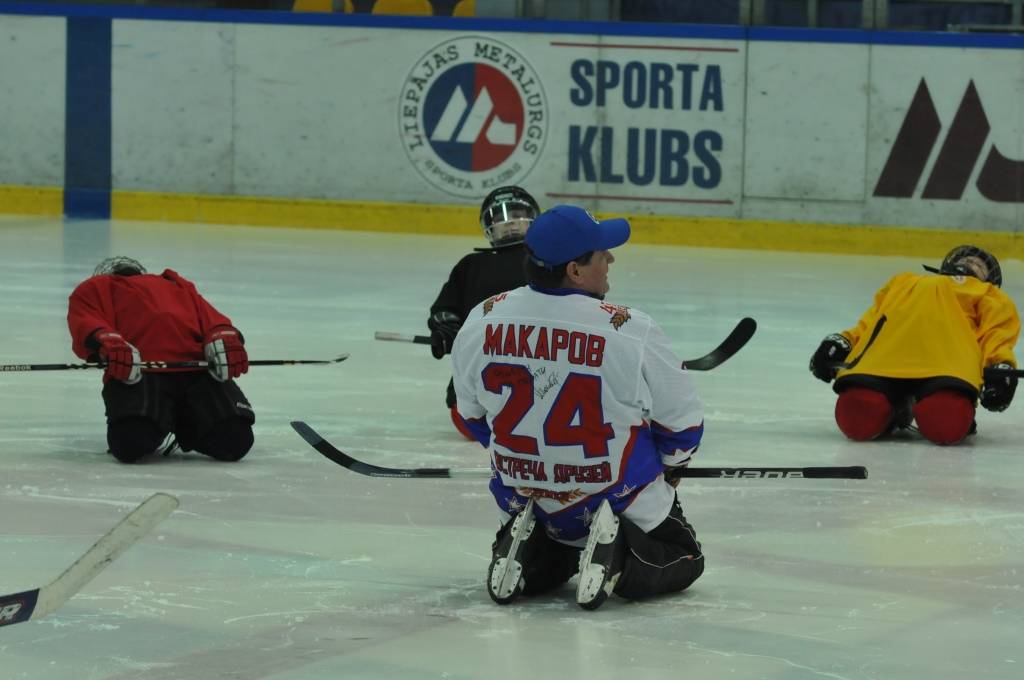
[472, 116]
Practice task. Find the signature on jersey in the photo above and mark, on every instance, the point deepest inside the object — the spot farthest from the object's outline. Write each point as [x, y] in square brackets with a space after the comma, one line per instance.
[543, 385]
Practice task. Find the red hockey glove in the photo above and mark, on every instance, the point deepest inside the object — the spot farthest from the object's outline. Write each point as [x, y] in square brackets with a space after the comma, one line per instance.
[121, 357]
[225, 352]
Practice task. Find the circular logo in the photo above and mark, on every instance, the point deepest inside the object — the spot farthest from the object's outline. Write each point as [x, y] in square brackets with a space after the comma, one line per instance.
[472, 116]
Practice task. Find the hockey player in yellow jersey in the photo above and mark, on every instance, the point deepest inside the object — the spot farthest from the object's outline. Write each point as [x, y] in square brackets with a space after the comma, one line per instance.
[920, 353]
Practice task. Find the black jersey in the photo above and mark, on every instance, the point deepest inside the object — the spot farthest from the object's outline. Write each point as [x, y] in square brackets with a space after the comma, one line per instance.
[478, 276]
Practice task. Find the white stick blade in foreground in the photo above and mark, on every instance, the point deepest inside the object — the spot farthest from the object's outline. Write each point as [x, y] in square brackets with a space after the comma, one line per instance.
[34, 604]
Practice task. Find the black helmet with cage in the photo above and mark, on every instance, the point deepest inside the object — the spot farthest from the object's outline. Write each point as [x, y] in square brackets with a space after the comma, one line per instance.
[506, 214]
[971, 261]
[120, 265]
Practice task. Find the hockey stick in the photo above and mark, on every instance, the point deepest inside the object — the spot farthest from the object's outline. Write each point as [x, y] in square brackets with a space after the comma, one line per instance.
[1003, 373]
[165, 364]
[326, 449]
[34, 604]
[733, 343]
[399, 337]
[874, 334]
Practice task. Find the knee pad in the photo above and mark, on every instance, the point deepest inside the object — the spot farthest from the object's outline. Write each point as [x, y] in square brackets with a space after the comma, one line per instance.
[945, 417]
[863, 414]
[229, 440]
[131, 439]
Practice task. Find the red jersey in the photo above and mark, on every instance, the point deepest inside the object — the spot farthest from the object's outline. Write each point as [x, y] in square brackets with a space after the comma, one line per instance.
[163, 315]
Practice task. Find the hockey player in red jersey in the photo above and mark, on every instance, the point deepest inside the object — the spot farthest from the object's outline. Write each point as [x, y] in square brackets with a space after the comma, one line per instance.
[122, 315]
[585, 410]
[920, 352]
[505, 215]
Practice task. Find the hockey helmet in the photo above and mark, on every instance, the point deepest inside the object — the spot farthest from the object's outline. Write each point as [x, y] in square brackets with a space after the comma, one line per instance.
[506, 214]
[971, 261]
[119, 264]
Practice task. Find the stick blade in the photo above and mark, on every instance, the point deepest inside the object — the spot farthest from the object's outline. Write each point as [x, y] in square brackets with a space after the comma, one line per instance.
[329, 451]
[17, 607]
[739, 337]
[136, 524]
[324, 447]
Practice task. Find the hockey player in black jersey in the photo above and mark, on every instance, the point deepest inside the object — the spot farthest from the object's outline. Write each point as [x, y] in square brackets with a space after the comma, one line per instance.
[505, 215]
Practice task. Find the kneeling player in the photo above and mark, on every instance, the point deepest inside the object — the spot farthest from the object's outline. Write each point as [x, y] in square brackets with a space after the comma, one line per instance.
[505, 215]
[583, 406]
[918, 354]
[122, 315]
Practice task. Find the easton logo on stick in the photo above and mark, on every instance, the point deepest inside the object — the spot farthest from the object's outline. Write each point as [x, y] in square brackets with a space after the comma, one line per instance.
[9, 612]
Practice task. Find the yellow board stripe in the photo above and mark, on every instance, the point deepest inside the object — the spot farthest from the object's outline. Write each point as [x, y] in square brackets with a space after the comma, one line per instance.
[709, 232]
[24, 200]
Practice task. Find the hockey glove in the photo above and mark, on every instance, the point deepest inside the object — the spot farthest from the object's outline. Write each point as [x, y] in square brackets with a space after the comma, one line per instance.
[444, 326]
[833, 349]
[121, 357]
[225, 352]
[997, 392]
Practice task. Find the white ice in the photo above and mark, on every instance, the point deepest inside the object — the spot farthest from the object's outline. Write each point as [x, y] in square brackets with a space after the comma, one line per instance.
[287, 566]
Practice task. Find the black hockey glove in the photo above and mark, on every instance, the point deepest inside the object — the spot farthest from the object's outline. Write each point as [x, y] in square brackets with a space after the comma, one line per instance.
[997, 392]
[833, 349]
[444, 326]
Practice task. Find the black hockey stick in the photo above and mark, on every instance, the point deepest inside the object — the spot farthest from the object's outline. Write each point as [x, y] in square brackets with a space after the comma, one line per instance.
[737, 339]
[34, 604]
[1004, 373]
[165, 364]
[733, 343]
[328, 450]
[841, 366]
[399, 337]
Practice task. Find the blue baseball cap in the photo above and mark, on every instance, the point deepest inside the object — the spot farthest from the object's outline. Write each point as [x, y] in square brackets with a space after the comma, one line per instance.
[565, 232]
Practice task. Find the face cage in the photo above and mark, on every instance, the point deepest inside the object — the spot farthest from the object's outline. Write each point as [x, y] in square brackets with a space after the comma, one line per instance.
[117, 265]
[507, 221]
[953, 264]
[511, 231]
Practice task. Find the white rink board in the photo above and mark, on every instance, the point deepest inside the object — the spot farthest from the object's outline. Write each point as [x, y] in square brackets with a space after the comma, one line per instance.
[806, 121]
[32, 56]
[630, 124]
[998, 76]
[173, 106]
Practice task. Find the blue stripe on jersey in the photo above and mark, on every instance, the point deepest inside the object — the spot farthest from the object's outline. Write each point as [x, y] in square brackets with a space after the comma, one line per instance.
[669, 441]
[641, 464]
[479, 428]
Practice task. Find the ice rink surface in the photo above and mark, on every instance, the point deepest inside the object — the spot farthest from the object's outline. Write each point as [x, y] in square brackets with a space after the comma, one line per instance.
[287, 566]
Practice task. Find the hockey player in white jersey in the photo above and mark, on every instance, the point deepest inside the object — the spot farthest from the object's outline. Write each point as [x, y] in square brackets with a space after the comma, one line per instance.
[585, 410]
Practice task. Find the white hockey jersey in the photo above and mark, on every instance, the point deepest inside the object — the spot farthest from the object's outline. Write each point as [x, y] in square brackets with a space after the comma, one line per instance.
[577, 400]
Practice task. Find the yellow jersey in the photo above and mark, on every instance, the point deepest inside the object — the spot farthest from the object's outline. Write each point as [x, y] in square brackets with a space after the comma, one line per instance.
[936, 325]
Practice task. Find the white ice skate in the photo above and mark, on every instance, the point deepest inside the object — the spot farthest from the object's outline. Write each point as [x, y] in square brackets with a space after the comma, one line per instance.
[599, 559]
[505, 576]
